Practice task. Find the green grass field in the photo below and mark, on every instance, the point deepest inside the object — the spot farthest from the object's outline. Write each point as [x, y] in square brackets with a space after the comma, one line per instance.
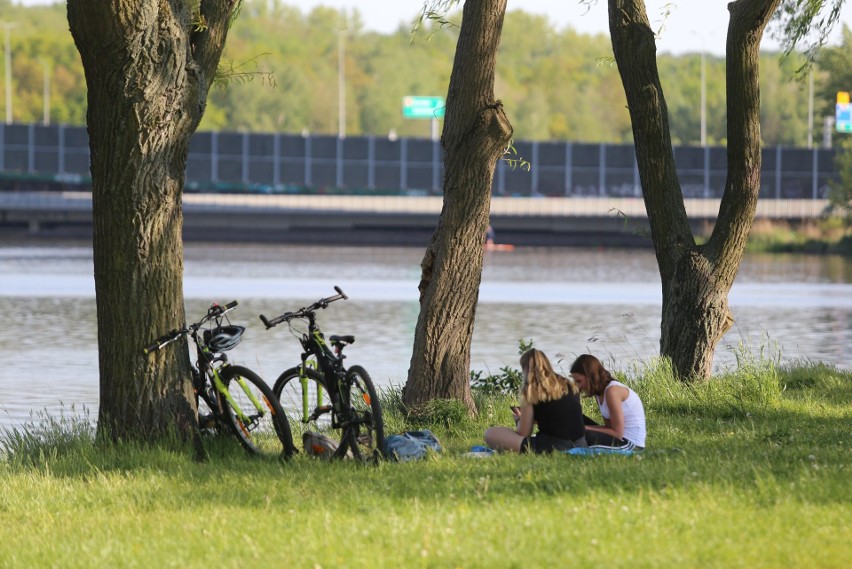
[750, 469]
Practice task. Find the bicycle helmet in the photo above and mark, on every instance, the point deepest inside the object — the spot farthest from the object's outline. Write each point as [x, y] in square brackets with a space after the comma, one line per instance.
[223, 338]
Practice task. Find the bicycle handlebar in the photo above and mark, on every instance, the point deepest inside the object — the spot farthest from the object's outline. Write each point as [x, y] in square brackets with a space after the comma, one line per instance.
[215, 311]
[164, 341]
[304, 312]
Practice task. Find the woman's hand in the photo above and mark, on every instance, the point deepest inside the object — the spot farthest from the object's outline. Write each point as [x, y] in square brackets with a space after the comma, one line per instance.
[524, 420]
[516, 413]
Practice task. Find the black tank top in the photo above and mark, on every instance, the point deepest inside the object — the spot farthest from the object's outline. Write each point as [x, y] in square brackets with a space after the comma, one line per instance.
[561, 418]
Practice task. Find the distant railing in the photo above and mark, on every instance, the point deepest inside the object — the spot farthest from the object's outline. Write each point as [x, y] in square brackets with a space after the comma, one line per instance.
[366, 165]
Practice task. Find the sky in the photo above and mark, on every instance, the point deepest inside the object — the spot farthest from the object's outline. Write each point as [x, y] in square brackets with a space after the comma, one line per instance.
[691, 26]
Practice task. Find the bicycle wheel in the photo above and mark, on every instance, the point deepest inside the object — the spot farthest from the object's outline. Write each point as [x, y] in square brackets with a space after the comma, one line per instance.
[308, 406]
[254, 413]
[364, 431]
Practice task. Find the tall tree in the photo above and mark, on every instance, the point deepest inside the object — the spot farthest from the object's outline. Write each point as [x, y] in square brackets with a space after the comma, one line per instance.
[476, 134]
[696, 279]
[148, 65]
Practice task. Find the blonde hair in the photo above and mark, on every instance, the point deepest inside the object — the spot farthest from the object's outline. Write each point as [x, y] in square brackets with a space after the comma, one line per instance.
[541, 383]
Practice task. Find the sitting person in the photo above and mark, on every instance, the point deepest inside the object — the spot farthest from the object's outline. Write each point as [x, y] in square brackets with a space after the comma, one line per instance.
[548, 399]
[621, 408]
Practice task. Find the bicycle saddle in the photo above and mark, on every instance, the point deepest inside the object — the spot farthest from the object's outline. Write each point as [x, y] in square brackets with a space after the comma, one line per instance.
[342, 339]
[223, 338]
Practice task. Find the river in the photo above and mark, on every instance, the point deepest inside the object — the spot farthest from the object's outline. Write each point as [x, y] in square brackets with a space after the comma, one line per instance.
[568, 301]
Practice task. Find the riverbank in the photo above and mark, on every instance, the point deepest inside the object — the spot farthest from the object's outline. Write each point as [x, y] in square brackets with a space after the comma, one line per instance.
[747, 470]
[831, 236]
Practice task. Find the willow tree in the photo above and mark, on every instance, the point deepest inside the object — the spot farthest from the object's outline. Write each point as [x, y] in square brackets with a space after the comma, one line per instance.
[696, 279]
[475, 135]
[149, 65]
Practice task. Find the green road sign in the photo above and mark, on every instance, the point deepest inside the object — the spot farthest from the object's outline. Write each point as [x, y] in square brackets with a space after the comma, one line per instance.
[423, 107]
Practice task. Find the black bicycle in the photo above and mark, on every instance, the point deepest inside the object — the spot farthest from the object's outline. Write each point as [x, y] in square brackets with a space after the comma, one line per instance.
[321, 395]
[230, 397]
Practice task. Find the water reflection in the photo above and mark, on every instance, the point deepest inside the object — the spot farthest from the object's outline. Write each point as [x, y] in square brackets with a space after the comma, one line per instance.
[567, 301]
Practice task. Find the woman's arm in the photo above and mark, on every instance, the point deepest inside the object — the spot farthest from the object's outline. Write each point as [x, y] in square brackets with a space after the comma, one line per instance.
[615, 395]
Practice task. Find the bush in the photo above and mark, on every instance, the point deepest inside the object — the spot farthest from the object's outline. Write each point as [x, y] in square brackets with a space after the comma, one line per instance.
[507, 382]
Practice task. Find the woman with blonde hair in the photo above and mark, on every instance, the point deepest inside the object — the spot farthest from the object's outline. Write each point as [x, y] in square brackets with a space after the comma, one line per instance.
[548, 399]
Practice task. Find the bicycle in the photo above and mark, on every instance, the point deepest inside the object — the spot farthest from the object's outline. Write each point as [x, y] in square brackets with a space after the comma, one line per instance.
[323, 395]
[230, 397]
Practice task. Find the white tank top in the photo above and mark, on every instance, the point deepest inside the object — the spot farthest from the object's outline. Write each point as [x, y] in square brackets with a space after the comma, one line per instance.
[634, 415]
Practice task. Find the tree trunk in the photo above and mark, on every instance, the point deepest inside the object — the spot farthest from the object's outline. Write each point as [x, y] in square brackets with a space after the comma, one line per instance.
[148, 67]
[695, 279]
[476, 134]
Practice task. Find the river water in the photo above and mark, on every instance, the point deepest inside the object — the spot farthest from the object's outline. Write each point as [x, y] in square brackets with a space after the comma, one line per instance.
[568, 301]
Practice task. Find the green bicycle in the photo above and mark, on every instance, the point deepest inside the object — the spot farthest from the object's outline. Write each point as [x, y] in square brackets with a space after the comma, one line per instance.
[229, 397]
[324, 396]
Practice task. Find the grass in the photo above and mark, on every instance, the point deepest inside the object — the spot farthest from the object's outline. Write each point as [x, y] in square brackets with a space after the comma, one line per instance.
[750, 469]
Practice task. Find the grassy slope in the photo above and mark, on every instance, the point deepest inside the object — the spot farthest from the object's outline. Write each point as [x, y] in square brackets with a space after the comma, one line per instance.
[761, 480]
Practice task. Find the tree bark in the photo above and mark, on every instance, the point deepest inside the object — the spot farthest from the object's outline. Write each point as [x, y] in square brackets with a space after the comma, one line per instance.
[695, 279]
[476, 134]
[148, 67]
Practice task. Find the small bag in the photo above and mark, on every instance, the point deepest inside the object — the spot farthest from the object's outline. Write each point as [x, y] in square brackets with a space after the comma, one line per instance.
[411, 445]
[320, 445]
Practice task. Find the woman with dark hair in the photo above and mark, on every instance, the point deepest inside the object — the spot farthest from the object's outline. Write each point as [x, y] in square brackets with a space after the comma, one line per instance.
[548, 399]
[621, 408]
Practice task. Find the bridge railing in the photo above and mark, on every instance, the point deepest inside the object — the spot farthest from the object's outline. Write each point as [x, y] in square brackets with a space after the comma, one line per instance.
[365, 165]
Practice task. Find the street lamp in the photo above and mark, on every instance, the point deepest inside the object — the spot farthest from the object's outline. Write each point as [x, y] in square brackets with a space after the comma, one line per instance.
[341, 84]
[811, 107]
[703, 101]
[7, 60]
[46, 93]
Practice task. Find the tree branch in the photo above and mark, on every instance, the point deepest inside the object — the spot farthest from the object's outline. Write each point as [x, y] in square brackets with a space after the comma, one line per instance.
[739, 201]
[635, 50]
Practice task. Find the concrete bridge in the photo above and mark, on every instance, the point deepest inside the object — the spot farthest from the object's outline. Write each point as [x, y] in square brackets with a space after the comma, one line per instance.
[383, 220]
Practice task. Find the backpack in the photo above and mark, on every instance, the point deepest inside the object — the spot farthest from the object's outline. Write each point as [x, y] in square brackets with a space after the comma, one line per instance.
[411, 445]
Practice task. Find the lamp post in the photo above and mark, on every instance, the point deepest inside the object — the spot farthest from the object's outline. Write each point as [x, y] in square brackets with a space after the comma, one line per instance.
[341, 84]
[7, 60]
[46, 92]
[811, 107]
[703, 100]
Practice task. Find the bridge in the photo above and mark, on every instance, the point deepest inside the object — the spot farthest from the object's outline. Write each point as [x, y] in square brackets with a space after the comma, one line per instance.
[387, 220]
[288, 187]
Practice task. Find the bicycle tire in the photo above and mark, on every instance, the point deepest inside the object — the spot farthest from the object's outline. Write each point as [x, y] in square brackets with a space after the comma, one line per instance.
[267, 433]
[288, 391]
[364, 437]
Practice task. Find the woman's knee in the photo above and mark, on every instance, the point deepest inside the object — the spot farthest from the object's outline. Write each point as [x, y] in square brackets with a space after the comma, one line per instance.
[492, 435]
[503, 438]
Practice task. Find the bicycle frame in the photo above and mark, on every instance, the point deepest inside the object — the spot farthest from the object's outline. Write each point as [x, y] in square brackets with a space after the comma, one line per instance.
[208, 372]
[331, 367]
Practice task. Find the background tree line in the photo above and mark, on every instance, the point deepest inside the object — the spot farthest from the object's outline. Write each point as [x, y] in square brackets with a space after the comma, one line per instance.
[279, 73]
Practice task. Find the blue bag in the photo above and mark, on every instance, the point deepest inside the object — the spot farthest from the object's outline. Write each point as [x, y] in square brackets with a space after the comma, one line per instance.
[411, 445]
[594, 451]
